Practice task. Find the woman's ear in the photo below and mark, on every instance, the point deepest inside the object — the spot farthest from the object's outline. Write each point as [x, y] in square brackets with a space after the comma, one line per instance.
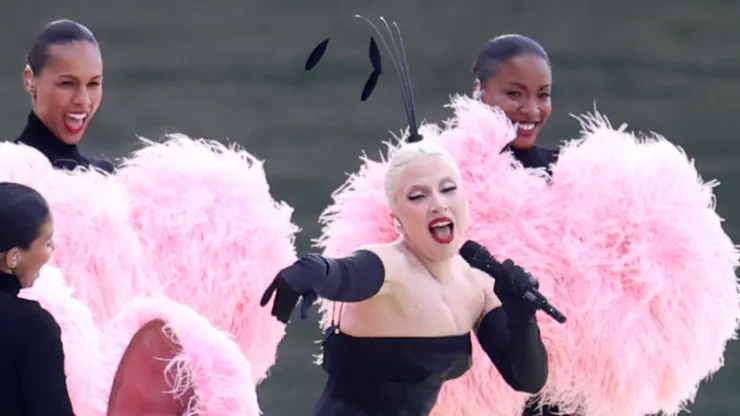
[29, 82]
[477, 90]
[12, 258]
[397, 224]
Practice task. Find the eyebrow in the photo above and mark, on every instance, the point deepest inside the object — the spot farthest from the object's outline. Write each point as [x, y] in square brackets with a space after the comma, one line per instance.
[75, 77]
[420, 186]
[524, 87]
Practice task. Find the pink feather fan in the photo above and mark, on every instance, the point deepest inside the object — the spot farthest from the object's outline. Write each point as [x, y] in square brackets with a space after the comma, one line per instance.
[156, 357]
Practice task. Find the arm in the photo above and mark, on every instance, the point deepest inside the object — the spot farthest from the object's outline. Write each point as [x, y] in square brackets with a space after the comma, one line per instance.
[43, 384]
[354, 278]
[513, 344]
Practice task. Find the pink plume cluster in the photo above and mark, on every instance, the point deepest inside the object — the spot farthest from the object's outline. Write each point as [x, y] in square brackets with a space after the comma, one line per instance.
[185, 232]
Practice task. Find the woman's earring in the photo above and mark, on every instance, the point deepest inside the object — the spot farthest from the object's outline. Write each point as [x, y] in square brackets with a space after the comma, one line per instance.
[477, 94]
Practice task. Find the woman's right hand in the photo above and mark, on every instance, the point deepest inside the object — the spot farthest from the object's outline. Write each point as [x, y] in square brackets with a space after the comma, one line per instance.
[293, 283]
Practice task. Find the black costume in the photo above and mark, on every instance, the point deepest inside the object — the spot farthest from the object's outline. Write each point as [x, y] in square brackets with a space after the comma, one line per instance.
[62, 155]
[32, 378]
[402, 376]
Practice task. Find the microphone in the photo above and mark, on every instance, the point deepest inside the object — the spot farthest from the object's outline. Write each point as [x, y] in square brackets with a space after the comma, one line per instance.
[479, 258]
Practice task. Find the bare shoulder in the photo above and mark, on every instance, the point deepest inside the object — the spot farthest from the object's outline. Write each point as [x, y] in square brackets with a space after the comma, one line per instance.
[393, 258]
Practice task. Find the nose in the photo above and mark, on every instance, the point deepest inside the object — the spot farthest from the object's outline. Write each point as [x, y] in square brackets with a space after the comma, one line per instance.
[82, 97]
[530, 108]
[438, 205]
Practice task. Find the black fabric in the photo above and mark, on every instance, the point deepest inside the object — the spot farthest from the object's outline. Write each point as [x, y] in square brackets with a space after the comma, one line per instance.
[61, 155]
[399, 376]
[535, 157]
[352, 279]
[32, 378]
[516, 350]
[510, 288]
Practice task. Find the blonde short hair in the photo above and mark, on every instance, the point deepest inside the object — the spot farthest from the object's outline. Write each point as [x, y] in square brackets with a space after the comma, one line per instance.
[409, 153]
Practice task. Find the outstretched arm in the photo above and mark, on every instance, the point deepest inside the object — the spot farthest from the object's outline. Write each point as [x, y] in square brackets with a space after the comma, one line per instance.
[352, 279]
[511, 339]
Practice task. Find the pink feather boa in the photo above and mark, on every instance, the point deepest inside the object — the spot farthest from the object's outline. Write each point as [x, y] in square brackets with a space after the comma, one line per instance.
[625, 241]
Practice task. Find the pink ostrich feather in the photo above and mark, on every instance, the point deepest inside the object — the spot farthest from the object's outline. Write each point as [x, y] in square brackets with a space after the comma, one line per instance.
[208, 363]
[214, 237]
[630, 250]
[97, 247]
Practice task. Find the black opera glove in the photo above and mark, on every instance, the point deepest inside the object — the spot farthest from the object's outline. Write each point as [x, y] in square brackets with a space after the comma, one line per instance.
[295, 282]
[510, 288]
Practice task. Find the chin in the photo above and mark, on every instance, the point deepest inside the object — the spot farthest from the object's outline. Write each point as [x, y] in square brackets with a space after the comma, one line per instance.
[68, 139]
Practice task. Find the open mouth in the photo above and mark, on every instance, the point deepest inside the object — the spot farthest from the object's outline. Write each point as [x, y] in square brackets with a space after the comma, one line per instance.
[442, 230]
[526, 128]
[75, 122]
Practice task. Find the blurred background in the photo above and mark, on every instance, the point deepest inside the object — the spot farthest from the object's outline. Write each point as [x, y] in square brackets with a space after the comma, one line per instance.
[233, 70]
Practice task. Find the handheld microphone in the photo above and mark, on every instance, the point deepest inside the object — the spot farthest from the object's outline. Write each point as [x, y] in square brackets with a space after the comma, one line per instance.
[478, 257]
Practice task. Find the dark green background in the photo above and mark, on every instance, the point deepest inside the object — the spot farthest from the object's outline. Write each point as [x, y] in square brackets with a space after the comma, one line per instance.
[233, 69]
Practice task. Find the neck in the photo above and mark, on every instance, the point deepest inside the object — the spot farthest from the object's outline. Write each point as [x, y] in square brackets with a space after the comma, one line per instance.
[441, 270]
[37, 135]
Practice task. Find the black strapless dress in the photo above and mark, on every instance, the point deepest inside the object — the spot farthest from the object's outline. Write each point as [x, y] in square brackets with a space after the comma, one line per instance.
[389, 376]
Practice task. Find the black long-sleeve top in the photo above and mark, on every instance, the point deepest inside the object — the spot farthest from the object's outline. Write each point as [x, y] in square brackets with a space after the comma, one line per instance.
[32, 377]
[62, 155]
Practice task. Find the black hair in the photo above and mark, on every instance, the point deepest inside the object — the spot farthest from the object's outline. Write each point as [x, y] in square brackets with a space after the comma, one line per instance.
[502, 49]
[23, 212]
[58, 32]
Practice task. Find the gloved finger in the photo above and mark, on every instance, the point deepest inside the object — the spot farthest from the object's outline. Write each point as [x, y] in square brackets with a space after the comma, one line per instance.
[268, 293]
[508, 266]
[306, 302]
[283, 308]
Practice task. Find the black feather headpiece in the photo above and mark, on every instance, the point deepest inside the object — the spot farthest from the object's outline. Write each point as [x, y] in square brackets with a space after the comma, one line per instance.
[397, 52]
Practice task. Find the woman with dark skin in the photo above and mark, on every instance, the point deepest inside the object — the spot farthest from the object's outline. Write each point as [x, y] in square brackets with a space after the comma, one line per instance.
[513, 72]
[32, 377]
[64, 77]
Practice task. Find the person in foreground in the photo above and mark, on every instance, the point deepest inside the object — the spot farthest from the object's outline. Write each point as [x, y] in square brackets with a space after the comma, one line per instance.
[64, 77]
[412, 304]
[32, 377]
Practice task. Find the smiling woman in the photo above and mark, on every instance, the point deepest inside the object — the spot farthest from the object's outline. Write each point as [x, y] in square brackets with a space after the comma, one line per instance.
[512, 72]
[64, 77]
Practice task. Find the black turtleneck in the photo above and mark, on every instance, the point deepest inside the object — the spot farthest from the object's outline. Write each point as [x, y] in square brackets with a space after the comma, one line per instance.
[535, 157]
[32, 378]
[62, 155]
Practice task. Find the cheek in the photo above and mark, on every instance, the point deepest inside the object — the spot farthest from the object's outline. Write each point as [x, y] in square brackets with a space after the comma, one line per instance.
[505, 103]
[546, 108]
[96, 96]
[411, 218]
[51, 100]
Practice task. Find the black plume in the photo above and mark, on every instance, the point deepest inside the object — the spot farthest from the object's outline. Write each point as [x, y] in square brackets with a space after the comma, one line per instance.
[316, 54]
[375, 56]
[370, 84]
[397, 55]
[400, 64]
